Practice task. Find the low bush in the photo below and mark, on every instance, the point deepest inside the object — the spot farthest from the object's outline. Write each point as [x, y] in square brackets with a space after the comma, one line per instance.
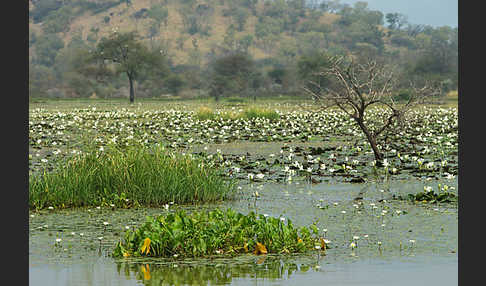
[201, 234]
[255, 112]
[205, 113]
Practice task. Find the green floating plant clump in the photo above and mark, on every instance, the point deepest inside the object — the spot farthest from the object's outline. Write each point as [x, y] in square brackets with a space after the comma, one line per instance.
[433, 197]
[217, 232]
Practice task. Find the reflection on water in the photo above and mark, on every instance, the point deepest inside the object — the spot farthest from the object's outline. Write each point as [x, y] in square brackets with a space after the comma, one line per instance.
[219, 272]
[262, 270]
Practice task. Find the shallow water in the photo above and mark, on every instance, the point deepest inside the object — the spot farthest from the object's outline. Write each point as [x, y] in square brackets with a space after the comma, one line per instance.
[418, 242]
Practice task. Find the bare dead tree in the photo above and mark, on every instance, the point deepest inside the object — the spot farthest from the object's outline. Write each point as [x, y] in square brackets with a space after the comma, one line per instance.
[355, 87]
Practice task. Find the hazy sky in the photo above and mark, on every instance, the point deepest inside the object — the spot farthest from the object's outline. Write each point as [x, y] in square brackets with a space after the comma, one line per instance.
[430, 12]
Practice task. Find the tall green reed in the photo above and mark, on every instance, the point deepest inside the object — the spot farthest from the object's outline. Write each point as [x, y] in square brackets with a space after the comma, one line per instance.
[138, 175]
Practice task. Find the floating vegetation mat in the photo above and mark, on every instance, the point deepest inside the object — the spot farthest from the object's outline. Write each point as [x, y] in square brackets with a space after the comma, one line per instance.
[217, 232]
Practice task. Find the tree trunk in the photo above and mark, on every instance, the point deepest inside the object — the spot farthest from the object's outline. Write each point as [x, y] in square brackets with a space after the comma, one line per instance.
[372, 141]
[132, 92]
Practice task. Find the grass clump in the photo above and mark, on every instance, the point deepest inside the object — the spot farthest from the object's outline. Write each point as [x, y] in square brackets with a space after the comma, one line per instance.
[201, 234]
[256, 112]
[205, 113]
[135, 175]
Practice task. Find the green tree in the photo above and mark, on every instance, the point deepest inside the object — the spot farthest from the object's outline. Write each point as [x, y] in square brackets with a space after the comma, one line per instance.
[231, 74]
[308, 68]
[159, 14]
[47, 46]
[240, 18]
[438, 56]
[43, 8]
[41, 78]
[58, 21]
[175, 83]
[129, 56]
[245, 42]
[396, 20]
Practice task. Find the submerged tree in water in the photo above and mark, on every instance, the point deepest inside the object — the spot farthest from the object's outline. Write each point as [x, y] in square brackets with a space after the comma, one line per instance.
[355, 87]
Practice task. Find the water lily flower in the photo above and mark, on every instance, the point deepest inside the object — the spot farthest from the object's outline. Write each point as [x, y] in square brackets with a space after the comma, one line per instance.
[385, 163]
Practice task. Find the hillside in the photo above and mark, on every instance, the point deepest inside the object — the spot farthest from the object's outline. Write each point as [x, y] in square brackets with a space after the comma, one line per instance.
[276, 34]
[122, 18]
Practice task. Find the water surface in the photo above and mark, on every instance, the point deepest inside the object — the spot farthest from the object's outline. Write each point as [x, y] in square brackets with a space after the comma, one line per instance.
[400, 243]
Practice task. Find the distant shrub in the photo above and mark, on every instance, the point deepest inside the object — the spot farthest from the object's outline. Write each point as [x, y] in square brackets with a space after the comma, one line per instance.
[205, 113]
[142, 13]
[234, 100]
[402, 95]
[452, 94]
[255, 112]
